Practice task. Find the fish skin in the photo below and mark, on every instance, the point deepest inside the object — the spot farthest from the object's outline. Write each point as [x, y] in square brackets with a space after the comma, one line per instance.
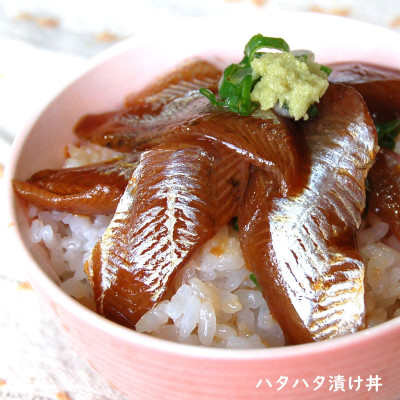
[181, 112]
[277, 174]
[97, 200]
[125, 131]
[379, 87]
[302, 248]
[190, 75]
[90, 189]
[384, 189]
[156, 105]
[177, 198]
[264, 139]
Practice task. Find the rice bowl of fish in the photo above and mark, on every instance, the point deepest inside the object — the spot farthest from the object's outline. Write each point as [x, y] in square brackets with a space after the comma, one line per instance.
[265, 272]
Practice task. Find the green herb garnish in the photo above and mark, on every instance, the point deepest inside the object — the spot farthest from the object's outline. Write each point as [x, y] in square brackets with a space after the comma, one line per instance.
[253, 278]
[326, 69]
[387, 133]
[237, 81]
[235, 224]
[312, 111]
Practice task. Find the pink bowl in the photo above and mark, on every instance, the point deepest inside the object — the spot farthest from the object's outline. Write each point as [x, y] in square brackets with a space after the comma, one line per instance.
[365, 365]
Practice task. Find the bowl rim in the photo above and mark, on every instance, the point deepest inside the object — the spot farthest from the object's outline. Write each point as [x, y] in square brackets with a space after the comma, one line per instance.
[44, 283]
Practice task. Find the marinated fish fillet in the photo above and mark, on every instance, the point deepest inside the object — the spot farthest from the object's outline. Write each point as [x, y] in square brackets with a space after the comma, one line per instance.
[384, 189]
[302, 248]
[90, 189]
[302, 205]
[177, 198]
[191, 75]
[168, 100]
[264, 139]
[379, 86]
[179, 112]
[125, 131]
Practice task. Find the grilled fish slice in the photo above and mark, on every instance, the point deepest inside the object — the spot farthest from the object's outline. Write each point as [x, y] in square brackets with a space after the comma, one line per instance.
[379, 86]
[177, 198]
[90, 189]
[302, 248]
[167, 100]
[384, 189]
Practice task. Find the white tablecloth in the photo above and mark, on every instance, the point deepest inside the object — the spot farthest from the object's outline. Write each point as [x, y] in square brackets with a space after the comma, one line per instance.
[43, 44]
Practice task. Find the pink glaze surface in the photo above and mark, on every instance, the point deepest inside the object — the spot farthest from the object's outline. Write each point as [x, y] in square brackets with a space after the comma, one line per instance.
[144, 367]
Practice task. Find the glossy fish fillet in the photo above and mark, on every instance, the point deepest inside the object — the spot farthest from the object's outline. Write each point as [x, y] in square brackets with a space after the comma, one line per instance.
[384, 189]
[90, 189]
[177, 198]
[264, 139]
[168, 100]
[302, 248]
[379, 86]
[186, 77]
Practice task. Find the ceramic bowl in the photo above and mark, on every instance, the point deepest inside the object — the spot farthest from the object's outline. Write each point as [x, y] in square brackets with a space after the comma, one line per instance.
[365, 365]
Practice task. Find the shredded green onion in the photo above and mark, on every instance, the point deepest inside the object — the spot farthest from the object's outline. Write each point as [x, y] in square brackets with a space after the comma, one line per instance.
[312, 111]
[387, 133]
[253, 278]
[235, 224]
[326, 69]
[237, 82]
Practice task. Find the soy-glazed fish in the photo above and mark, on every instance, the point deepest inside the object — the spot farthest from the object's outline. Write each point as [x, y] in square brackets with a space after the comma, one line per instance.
[302, 248]
[173, 109]
[379, 87]
[90, 189]
[297, 187]
[263, 139]
[384, 189]
[178, 197]
[190, 75]
[170, 99]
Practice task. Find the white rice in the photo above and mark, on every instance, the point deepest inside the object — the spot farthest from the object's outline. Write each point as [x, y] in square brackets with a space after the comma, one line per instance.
[381, 253]
[215, 303]
[70, 239]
